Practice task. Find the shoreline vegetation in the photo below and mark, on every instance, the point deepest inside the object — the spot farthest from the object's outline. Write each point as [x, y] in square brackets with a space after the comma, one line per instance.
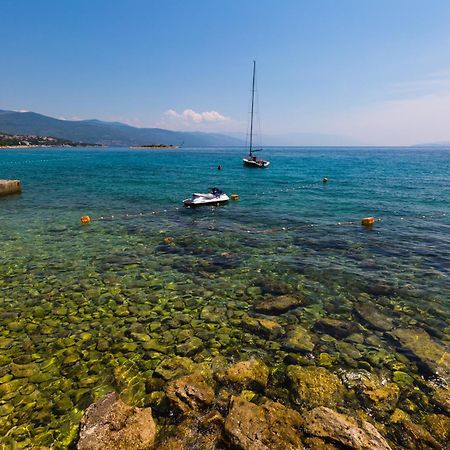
[34, 141]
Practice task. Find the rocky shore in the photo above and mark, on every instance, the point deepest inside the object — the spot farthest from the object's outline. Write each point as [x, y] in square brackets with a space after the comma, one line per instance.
[239, 407]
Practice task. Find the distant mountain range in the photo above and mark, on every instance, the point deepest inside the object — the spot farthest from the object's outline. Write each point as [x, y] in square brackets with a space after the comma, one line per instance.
[106, 133]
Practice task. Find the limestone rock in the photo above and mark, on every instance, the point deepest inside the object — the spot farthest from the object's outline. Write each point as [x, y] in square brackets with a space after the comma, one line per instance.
[279, 304]
[110, 424]
[373, 316]
[298, 339]
[439, 426]
[415, 437]
[196, 433]
[253, 374]
[261, 326]
[432, 356]
[270, 426]
[315, 386]
[342, 429]
[190, 393]
[171, 368]
[337, 328]
[441, 398]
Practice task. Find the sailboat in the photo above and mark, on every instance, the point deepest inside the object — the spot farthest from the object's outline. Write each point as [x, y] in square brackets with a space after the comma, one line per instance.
[251, 160]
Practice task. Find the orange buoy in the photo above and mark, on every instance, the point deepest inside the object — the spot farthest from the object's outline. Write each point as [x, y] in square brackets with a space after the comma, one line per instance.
[85, 220]
[168, 240]
[368, 221]
[234, 197]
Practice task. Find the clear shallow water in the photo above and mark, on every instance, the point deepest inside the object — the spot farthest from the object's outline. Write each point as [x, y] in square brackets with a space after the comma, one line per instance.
[66, 287]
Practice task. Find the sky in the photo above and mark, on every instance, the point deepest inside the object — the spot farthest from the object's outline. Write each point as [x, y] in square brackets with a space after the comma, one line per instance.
[372, 72]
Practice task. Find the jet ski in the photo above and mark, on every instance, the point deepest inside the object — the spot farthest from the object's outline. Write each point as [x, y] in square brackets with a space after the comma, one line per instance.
[214, 197]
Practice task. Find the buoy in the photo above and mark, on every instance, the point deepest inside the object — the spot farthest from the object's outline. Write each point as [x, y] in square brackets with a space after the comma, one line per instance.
[324, 180]
[368, 221]
[168, 240]
[85, 220]
[234, 197]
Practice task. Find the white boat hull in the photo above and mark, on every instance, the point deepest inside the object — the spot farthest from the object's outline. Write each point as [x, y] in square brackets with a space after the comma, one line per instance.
[259, 163]
[206, 200]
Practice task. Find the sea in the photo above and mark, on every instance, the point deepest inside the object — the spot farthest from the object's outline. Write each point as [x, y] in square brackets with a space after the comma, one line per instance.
[90, 308]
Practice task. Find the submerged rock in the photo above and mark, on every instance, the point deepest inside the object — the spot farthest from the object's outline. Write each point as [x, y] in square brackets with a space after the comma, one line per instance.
[315, 386]
[298, 339]
[373, 316]
[411, 435]
[253, 374]
[433, 357]
[279, 304]
[177, 366]
[261, 326]
[441, 398]
[110, 424]
[336, 328]
[270, 426]
[195, 433]
[190, 393]
[342, 429]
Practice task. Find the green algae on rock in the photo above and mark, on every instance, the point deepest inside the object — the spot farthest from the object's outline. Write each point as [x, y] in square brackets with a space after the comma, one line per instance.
[260, 427]
[315, 386]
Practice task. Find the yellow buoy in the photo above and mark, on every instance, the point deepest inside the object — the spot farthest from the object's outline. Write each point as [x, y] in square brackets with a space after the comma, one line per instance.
[168, 240]
[368, 221]
[85, 220]
[234, 197]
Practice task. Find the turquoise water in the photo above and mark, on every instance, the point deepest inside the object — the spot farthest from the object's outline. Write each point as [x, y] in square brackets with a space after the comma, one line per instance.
[73, 295]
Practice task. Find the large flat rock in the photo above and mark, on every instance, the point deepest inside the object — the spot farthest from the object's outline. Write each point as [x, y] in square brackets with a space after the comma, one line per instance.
[430, 355]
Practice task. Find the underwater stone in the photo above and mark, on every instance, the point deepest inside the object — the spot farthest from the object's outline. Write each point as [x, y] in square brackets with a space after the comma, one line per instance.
[298, 339]
[190, 393]
[264, 327]
[315, 386]
[24, 370]
[342, 429]
[334, 327]
[279, 304]
[111, 424]
[190, 347]
[200, 432]
[439, 426]
[154, 345]
[411, 435]
[253, 374]
[174, 367]
[441, 398]
[433, 357]
[262, 427]
[373, 316]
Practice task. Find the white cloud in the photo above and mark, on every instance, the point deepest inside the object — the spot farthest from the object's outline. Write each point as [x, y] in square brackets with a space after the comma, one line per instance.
[189, 115]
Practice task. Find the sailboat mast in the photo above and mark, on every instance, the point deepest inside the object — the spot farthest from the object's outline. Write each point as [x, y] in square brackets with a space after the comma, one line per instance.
[253, 101]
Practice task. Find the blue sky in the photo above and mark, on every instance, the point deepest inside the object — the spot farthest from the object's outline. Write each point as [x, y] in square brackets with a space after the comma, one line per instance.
[372, 72]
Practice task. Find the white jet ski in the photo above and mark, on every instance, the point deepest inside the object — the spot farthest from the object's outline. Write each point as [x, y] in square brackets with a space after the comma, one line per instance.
[214, 197]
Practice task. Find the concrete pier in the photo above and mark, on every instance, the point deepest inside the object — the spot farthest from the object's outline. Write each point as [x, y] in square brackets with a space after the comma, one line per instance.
[9, 187]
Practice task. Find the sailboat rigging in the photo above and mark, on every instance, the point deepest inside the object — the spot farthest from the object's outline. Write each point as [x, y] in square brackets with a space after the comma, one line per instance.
[251, 160]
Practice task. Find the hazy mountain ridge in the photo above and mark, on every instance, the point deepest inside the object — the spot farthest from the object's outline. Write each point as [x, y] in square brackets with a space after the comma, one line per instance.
[106, 133]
